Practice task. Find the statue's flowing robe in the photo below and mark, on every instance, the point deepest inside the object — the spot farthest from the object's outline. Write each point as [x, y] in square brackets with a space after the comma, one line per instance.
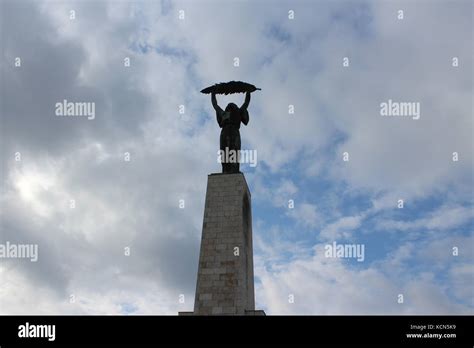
[230, 121]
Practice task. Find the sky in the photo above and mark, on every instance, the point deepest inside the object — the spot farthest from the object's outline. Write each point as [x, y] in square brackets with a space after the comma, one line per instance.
[101, 197]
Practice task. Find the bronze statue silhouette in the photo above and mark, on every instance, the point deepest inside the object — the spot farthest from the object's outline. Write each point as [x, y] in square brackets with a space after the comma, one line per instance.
[229, 120]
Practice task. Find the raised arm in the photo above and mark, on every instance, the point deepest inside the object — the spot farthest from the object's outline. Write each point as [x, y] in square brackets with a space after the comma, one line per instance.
[246, 102]
[214, 103]
[218, 109]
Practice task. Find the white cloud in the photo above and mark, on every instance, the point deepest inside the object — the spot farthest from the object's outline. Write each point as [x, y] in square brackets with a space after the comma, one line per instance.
[135, 203]
[342, 228]
[306, 214]
[331, 286]
[444, 218]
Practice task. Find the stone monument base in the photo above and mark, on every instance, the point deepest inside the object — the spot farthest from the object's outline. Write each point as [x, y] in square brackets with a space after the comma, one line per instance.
[225, 283]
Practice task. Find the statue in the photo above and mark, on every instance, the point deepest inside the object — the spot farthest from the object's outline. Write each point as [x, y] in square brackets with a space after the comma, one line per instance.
[229, 120]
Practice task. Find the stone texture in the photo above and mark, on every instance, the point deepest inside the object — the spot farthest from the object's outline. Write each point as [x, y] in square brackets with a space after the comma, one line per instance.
[225, 283]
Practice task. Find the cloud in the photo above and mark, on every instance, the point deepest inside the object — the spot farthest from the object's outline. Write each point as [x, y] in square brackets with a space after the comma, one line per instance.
[313, 284]
[341, 228]
[444, 218]
[306, 214]
[135, 203]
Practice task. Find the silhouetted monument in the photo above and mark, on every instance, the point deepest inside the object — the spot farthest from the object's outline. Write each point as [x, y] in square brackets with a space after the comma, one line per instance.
[225, 281]
[229, 120]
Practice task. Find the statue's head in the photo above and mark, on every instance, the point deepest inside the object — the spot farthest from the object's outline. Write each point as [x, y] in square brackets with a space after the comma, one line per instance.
[231, 107]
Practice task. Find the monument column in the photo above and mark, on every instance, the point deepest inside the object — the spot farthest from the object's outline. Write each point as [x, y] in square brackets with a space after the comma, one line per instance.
[225, 283]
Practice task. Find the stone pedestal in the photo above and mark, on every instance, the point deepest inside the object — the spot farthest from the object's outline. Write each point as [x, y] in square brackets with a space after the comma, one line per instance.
[225, 283]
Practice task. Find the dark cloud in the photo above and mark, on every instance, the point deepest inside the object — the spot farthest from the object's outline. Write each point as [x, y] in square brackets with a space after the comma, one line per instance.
[135, 204]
